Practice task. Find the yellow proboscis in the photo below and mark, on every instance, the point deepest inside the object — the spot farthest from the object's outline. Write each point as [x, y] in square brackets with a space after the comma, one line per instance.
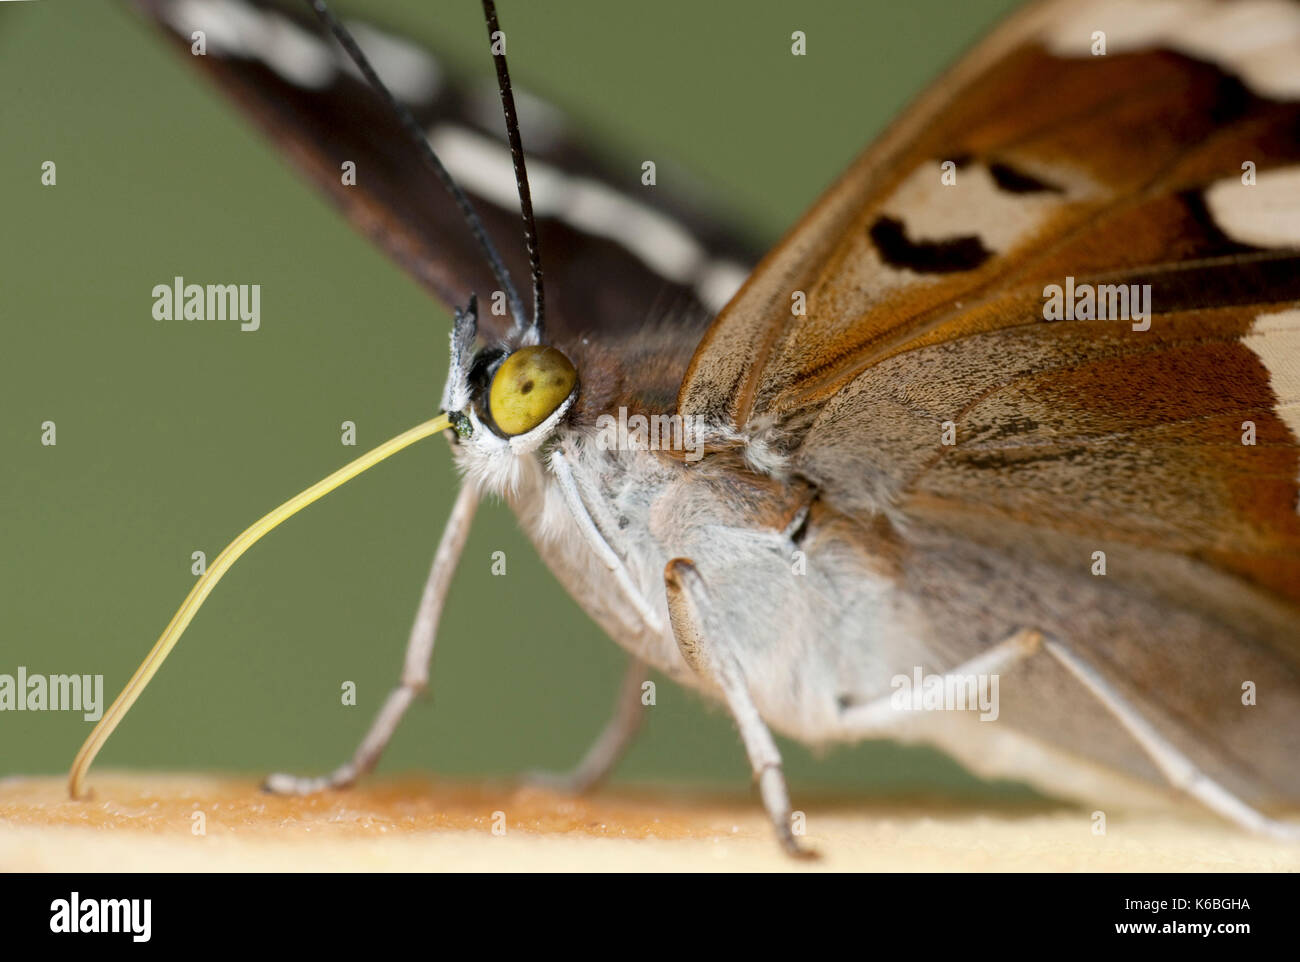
[203, 587]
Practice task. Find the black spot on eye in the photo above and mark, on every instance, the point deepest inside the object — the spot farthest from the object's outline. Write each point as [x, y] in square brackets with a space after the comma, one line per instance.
[1018, 182]
[926, 257]
[526, 387]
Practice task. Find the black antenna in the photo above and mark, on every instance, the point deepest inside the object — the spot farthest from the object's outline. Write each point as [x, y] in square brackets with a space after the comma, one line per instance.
[521, 173]
[346, 41]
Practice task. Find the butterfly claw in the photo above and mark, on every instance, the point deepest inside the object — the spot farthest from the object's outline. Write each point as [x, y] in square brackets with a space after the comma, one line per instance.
[776, 799]
[279, 783]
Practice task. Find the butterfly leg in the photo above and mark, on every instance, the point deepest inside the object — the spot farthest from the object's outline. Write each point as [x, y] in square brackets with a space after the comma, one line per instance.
[1181, 772]
[415, 671]
[590, 532]
[879, 715]
[610, 746]
[706, 651]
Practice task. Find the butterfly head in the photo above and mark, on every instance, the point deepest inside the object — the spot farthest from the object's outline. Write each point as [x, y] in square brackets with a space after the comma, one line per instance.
[505, 400]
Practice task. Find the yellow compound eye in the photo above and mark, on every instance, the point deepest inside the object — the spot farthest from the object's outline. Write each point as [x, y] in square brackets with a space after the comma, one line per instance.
[528, 386]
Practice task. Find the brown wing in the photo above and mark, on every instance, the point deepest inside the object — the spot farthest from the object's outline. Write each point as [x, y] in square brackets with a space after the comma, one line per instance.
[927, 292]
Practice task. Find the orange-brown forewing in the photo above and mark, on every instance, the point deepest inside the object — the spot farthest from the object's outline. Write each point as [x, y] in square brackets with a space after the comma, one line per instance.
[1172, 447]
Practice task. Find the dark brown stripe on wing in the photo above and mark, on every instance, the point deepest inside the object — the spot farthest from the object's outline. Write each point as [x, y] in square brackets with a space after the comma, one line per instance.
[1229, 282]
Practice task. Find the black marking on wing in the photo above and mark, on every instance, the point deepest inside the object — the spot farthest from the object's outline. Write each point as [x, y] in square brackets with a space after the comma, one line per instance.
[1213, 241]
[1231, 100]
[926, 257]
[1015, 181]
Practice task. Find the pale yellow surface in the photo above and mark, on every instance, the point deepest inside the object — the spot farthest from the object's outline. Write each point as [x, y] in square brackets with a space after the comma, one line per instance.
[144, 822]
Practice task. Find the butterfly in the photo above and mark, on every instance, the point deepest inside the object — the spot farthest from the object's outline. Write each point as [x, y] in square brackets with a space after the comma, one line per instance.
[1016, 403]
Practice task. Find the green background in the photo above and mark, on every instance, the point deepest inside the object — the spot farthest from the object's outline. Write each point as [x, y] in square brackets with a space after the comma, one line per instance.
[172, 436]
